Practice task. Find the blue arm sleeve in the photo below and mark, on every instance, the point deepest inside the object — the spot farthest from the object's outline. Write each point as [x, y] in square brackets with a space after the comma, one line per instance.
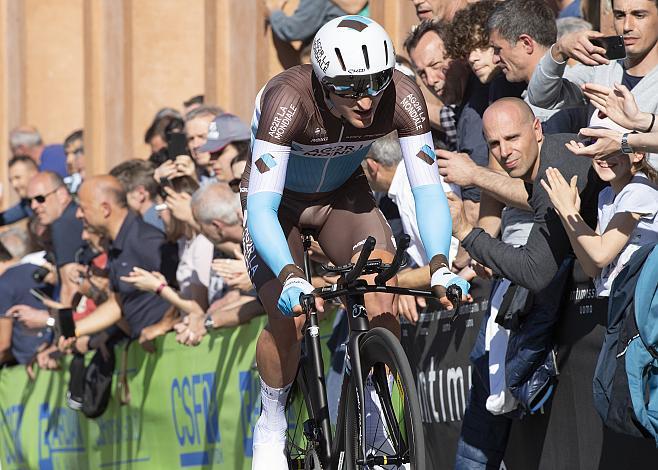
[265, 230]
[434, 220]
[14, 214]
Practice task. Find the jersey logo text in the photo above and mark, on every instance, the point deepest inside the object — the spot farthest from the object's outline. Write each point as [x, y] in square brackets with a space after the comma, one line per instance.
[320, 57]
[282, 120]
[414, 109]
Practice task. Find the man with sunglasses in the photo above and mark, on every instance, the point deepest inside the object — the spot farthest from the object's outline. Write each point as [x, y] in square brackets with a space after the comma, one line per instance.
[53, 206]
[312, 128]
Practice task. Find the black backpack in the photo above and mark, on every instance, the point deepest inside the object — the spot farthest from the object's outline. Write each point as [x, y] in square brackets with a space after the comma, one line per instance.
[98, 382]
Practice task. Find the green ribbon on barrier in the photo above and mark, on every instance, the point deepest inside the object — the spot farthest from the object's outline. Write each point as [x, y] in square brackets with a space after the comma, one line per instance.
[190, 407]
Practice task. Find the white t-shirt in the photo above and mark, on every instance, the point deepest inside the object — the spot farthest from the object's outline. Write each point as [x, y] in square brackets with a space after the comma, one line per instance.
[641, 197]
[400, 193]
[195, 257]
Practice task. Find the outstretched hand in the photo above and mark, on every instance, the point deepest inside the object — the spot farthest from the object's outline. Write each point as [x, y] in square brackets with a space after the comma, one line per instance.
[617, 103]
[144, 280]
[605, 142]
[563, 195]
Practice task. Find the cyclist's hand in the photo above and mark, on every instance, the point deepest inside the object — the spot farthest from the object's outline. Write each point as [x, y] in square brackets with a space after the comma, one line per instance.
[289, 298]
[442, 278]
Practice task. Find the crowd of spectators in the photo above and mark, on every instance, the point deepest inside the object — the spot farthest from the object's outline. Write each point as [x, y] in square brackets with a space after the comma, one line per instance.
[525, 90]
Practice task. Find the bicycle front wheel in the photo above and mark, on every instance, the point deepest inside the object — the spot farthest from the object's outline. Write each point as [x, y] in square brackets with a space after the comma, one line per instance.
[394, 432]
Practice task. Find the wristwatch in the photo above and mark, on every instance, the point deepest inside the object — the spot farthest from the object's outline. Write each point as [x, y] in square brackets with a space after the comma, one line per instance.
[50, 322]
[625, 148]
[209, 323]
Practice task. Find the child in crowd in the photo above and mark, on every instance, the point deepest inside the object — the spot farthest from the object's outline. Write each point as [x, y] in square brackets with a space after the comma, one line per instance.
[626, 214]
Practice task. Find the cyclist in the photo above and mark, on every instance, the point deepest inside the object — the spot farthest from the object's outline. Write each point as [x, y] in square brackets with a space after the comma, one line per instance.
[312, 127]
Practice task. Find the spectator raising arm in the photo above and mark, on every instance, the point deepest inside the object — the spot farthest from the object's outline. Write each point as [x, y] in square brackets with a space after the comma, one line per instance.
[549, 89]
[459, 169]
[619, 105]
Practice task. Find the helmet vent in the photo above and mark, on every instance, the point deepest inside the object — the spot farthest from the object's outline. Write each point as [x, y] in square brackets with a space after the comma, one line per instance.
[340, 58]
[385, 50]
[364, 48]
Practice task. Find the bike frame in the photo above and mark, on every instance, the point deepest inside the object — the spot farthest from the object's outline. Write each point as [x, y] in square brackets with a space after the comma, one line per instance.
[330, 450]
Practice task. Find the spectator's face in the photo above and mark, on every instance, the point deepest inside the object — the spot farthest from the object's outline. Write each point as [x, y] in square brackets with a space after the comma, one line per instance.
[440, 9]
[617, 166]
[238, 169]
[94, 239]
[20, 175]
[221, 162]
[637, 21]
[358, 112]
[47, 201]
[511, 58]
[157, 143]
[430, 62]
[444, 77]
[75, 157]
[482, 64]
[513, 140]
[89, 210]
[219, 232]
[197, 134]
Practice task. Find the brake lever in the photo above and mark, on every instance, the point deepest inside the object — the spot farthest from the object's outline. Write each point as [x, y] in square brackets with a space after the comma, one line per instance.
[307, 301]
[454, 294]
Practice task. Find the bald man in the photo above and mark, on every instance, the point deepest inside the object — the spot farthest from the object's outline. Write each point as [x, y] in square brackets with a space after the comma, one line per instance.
[516, 141]
[133, 242]
[53, 206]
[526, 365]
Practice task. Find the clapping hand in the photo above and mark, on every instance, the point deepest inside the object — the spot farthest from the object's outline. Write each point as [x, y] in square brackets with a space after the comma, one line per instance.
[144, 280]
[563, 195]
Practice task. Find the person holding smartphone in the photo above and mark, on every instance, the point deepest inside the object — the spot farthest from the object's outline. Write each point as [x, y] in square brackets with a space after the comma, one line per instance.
[602, 63]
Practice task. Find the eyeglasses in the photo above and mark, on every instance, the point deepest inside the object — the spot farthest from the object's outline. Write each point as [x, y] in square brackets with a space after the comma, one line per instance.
[359, 86]
[41, 198]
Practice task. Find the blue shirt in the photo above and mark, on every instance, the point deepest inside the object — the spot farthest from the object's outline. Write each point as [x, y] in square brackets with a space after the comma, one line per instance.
[139, 244]
[17, 212]
[53, 158]
[66, 235]
[15, 285]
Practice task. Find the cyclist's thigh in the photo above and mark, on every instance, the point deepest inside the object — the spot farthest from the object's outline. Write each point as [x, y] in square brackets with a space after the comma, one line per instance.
[353, 217]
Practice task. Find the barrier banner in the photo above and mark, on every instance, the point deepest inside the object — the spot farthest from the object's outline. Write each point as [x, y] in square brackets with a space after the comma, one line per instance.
[567, 434]
[190, 407]
[438, 348]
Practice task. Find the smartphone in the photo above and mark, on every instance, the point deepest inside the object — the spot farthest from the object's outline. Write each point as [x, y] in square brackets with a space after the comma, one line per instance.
[613, 45]
[176, 144]
[66, 322]
[39, 294]
[164, 182]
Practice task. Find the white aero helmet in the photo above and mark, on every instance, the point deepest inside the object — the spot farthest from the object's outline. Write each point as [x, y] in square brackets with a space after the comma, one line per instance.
[353, 56]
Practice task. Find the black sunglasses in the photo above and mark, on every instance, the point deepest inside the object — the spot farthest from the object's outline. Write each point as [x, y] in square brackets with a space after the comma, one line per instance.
[359, 86]
[41, 198]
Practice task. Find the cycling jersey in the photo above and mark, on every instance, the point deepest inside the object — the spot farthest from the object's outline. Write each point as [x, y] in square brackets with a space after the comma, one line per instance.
[299, 146]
